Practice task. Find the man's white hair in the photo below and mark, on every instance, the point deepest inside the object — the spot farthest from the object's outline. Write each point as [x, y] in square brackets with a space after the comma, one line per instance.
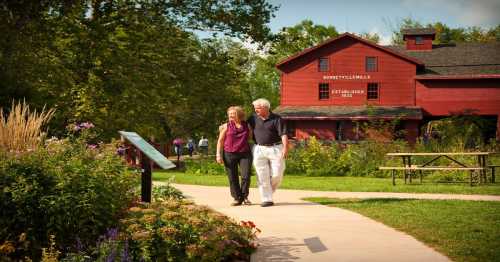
[262, 102]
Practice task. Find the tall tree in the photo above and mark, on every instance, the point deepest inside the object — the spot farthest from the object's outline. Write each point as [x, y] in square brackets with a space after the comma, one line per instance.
[264, 79]
[447, 35]
[124, 64]
[374, 37]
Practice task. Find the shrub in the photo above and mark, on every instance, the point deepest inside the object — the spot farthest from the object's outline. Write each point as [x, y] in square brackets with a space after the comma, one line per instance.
[173, 230]
[176, 230]
[361, 159]
[204, 166]
[164, 192]
[65, 189]
[365, 157]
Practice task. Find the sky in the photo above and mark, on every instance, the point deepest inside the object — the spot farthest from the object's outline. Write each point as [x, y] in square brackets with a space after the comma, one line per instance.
[380, 16]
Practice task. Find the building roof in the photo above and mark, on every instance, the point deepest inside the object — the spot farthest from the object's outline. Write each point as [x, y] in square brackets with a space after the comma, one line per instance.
[418, 31]
[345, 35]
[457, 59]
[348, 112]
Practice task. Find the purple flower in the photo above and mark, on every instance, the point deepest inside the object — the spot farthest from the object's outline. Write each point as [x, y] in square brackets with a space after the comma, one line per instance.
[120, 151]
[112, 233]
[86, 125]
[111, 256]
[92, 146]
[125, 256]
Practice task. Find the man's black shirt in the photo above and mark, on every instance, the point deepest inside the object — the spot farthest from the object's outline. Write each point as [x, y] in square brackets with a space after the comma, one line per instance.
[269, 131]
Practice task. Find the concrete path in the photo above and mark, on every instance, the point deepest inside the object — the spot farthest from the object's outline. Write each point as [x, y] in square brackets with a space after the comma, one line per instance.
[296, 230]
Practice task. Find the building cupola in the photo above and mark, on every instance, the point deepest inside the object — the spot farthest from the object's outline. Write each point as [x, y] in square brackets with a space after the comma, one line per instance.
[418, 38]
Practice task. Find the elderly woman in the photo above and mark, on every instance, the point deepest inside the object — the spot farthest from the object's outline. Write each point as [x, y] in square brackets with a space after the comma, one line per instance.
[233, 138]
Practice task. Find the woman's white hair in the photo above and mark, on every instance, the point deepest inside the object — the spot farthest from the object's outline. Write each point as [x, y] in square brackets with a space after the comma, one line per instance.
[262, 102]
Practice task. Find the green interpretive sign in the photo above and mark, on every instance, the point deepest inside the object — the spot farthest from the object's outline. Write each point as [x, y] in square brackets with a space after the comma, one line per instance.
[147, 149]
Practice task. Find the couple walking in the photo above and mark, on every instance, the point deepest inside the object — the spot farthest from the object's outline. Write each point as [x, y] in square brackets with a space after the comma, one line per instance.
[268, 154]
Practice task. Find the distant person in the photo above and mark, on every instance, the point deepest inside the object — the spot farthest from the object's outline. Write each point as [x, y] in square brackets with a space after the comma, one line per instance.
[270, 150]
[233, 138]
[190, 147]
[178, 142]
[203, 145]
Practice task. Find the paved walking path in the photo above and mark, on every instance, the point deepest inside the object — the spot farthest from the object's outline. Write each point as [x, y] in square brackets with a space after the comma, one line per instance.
[296, 230]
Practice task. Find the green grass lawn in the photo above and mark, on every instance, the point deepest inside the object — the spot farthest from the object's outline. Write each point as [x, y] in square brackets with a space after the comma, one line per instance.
[462, 230]
[351, 184]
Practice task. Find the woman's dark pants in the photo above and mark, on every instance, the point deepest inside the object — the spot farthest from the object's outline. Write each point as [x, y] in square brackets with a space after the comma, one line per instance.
[231, 162]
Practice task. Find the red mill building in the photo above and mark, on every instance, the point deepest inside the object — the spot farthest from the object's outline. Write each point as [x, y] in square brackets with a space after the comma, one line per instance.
[327, 89]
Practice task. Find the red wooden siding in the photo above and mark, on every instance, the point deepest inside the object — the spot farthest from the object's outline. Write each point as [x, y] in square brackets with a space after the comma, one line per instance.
[300, 80]
[319, 129]
[327, 130]
[411, 43]
[446, 97]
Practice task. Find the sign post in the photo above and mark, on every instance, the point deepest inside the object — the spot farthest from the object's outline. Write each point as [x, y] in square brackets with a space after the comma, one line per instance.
[148, 154]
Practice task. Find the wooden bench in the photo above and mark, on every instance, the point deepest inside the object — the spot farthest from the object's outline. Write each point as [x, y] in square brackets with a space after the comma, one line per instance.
[423, 168]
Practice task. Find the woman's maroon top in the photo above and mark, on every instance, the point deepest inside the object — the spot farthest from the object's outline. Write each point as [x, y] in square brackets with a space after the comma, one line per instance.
[236, 140]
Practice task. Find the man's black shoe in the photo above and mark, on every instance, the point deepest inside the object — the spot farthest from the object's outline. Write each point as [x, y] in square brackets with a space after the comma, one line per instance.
[236, 203]
[266, 204]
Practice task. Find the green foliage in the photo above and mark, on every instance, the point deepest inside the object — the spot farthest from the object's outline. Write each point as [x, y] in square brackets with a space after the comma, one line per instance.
[361, 159]
[204, 166]
[315, 159]
[66, 189]
[463, 132]
[164, 192]
[447, 35]
[374, 37]
[365, 157]
[176, 230]
[291, 40]
[112, 61]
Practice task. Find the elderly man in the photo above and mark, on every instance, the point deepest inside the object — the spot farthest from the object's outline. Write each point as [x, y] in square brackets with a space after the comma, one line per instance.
[270, 150]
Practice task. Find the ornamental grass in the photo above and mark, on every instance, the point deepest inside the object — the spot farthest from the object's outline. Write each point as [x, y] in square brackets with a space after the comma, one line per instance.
[21, 130]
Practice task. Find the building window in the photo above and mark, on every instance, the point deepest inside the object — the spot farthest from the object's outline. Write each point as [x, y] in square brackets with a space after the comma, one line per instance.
[338, 131]
[323, 64]
[419, 40]
[372, 91]
[324, 91]
[371, 64]
[290, 128]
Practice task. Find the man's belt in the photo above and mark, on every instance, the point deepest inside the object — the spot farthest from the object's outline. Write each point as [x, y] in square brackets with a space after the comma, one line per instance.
[271, 144]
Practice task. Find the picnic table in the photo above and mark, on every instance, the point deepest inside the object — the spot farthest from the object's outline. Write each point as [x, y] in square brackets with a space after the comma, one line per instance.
[410, 165]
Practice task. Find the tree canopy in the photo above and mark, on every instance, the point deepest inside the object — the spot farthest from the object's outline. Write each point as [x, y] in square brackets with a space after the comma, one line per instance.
[447, 35]
[132, 65]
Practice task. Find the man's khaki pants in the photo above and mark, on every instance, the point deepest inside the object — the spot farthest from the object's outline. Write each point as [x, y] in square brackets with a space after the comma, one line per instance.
[270, 166]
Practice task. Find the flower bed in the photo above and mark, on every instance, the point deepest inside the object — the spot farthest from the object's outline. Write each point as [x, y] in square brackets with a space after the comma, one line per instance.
[173, 229]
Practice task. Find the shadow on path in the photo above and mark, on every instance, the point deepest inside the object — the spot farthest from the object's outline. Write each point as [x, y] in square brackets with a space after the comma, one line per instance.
[277, 249]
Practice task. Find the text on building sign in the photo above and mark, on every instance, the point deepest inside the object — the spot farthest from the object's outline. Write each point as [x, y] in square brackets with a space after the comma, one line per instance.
[347, 92]
[346, 77]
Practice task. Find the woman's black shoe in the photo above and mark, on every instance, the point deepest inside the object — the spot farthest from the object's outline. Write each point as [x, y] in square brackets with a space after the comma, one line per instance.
[236, 203]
